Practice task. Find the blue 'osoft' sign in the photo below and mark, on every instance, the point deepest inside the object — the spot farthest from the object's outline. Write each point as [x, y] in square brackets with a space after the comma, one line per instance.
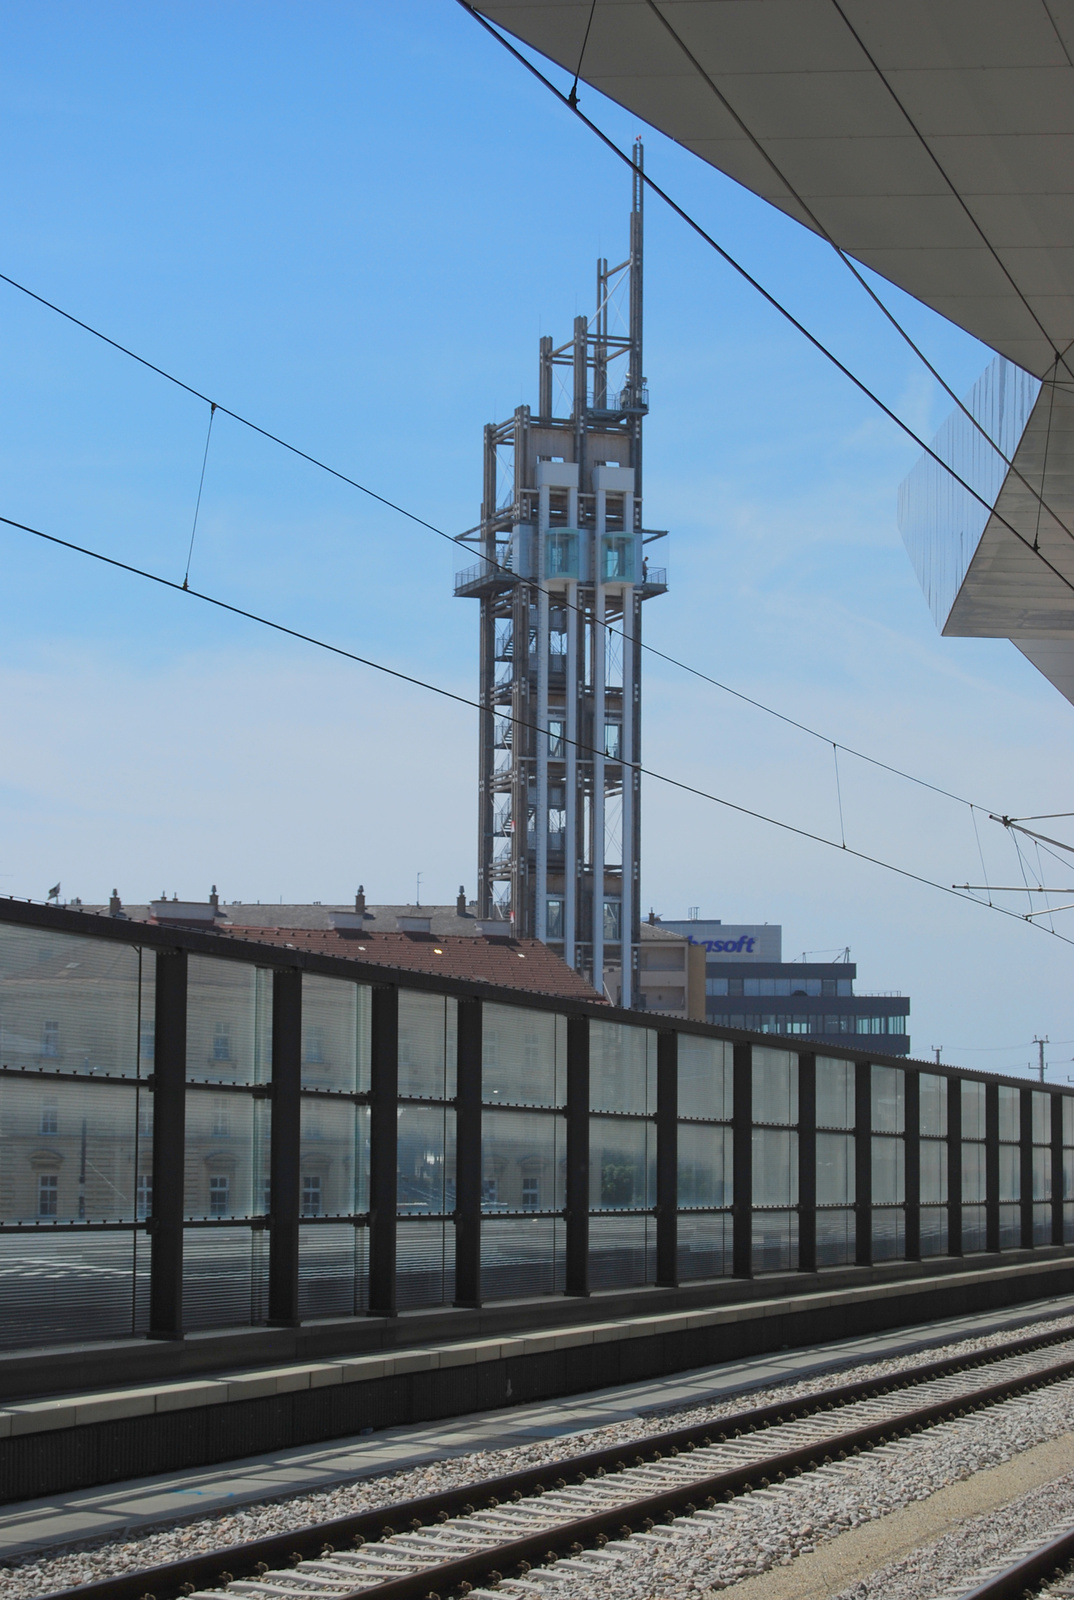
[726, 946]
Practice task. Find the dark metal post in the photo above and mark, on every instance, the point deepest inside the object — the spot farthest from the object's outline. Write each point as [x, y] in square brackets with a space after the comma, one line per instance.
[286, 1146]
[468, 1157]
[807, 1163]
[912, 1139]
[863, 1162]
[1057, 1169]
[577, 1155]
[169, 1148]
[992, 1165]
[1025, 1136]
[383, 1142]
[742, 1147]
[954, 1167]
[667, 1157]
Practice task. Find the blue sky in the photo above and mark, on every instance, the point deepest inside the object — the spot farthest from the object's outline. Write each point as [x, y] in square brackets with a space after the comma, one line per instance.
[352, 223]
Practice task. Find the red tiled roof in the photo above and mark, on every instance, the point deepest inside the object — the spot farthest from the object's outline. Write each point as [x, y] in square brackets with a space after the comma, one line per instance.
[513, 963]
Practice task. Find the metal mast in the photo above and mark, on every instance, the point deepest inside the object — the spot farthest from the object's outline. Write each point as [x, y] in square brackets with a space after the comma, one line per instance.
[561, 581]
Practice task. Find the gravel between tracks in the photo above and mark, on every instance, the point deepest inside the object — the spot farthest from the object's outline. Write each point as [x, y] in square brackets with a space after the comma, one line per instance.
[758, 1531]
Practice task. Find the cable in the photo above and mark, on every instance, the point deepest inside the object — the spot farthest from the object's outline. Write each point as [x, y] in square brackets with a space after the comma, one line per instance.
[201, 485]
[520, 722]
[573, 96]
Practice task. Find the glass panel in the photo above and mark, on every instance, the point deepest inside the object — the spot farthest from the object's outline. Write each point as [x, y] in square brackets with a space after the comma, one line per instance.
[64, 1288]
[1068, 1119]
[1042, 1117]
[705, 1245]
[889, 1159]
[974, 1228]
[1010, 1172]
[333, 1270]
[622, 1164]
[933, 1230]
[523, 1056]
[704, 1165]
[775, 1086]
[426, 1160]
[622, 1068]
[973, 1174]
[1010, 1114]
[1010, 1227]
[425, 1263]
[835, 1169]
[705, 1078]
[1042, 1224]
[835, 1238]
[835, 1093]
[775, 1167]
[227, 1145]
[428, 1045]
[775, 1241]
[334, 1157]
[68, 1003]
[622, 1251]
[335, 1034]
[522, 1257]
[933, 1104]
[228, 1021]
[888, 1097]
[889, 1234]
[523, 1161]
[1068, 1222]
[225, 1277]
[933, 1172]
[1068, 1174]
[973, 1109]
[1042, 1173]
[69, 1151]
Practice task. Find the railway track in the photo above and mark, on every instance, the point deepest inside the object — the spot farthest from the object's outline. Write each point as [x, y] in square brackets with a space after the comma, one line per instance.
[460, 1539]
[1039, 1569]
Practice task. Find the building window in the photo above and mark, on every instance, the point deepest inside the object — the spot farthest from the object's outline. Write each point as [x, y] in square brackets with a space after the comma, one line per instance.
[531, 1194]
[48, 1188]
[222, 1042]
[715, 985]
[266, 1196]
[613, 740]
[555, 919]
[490, 1194]
[50, 1115]
[556, 740]
[613, 916]
[311, 1195]
[315, 1047]
[221, 1120]
[220, 1196]
[50, 1039]
[145, 1195]
[147, 1040]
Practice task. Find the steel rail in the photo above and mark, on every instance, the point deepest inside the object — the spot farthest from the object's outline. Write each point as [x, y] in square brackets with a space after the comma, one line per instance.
[1046, 1565]
[250, 1559]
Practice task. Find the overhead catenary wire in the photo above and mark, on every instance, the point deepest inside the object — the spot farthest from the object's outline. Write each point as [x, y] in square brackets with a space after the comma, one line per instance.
[201, 485]
[678, 784]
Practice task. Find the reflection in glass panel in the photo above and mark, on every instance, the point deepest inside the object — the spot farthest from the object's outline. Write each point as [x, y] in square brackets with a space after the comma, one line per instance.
[523, 1056]
[426, 1159]
[622, 1251]
[1010, 1227]
[1068, 1119]
[705, 1245]
[521, 1257]
[973, 1109]
[1010, 1113]
[775, 1086]
[424, 1263]
[973, 1174]
[835, 1169]
[933, 1104]
[705, 1078]
[1042, 1117]
[227, 1143]
[1068, 1174]
[704, 1165]
[225, 1277]
[1010, 1172]
[333, 1270]
[933, 1172]
[622, 1068]
[1042, 1173]
[888, 1171]
[1042, 1224]
[835, 1093]
[835, 1238]
[428, 1045]
[68, 1003]
[228, 1021]
[889, 1234]
[888, 1098]
[70, 1152]
[65, 1287]
[622, 1164]
[1068, 1222]
[334, 1157]
[523, 1160]
[775, 1241]
[933, 1230]
[335, 1034]
[974, 1228]
[775, 1167]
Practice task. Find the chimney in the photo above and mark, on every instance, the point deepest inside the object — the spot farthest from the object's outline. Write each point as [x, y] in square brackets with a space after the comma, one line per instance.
[115, 904]
[460, 903]
[359, 901]
[214, 899]
[652, 917]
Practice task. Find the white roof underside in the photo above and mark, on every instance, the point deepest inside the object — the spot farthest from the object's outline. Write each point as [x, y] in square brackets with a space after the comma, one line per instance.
[946, 162]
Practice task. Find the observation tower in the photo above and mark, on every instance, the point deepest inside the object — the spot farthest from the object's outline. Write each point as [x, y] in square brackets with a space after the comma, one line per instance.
[561, 579]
